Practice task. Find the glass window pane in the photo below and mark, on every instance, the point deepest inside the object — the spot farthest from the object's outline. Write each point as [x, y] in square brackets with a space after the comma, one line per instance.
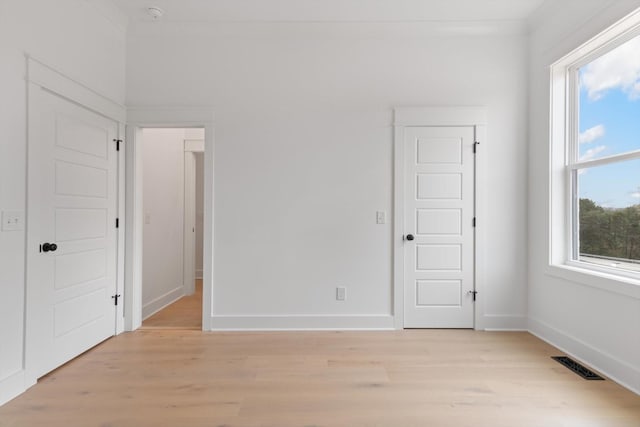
[609, 116]
[609, 215]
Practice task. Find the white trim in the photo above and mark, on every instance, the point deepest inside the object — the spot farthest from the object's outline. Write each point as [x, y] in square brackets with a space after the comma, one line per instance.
[613, 36]
[154, 306]
[599, 359]
[398, 227]
[135, 226]
[595, 279]
[189, 223]
[13, 385]
[504, 322]
[122, 228]
[299, 323]
[481, 189]
[438, 116]
[602, 161]
[56, 82]
[194, 145]
[191, 147]
[173, 117]
[182, 117]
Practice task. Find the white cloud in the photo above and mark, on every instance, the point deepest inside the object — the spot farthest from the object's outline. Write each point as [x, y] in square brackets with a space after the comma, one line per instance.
[591, 134]
[591, 153]
[618, 69]
[636, 194]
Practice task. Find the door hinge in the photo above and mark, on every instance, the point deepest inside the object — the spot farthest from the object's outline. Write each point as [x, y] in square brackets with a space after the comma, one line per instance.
[473, 222]
[475, 147]
[117, 141]
[115, 298]
[473, 293]
[117, 222]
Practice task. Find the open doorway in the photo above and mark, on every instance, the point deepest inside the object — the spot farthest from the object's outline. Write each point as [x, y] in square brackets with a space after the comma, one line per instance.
[173, 208]
[138, 119]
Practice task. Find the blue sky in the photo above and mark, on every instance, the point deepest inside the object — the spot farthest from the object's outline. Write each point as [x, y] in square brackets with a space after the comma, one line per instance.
[610, 124]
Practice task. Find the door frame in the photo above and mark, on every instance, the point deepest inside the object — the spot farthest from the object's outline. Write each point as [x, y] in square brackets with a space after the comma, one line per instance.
[404, 117]
[40, 76]
[139, 118]
[191, 148]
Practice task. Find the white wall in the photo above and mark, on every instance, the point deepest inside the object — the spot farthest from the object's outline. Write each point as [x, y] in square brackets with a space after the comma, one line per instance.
[303, 155]
[597, 326]
[199, 213]
[86, 41]
[163, 207]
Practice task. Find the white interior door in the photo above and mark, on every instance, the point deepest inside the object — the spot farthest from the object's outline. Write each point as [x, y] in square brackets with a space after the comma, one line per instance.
[72, 204]
[438, 227]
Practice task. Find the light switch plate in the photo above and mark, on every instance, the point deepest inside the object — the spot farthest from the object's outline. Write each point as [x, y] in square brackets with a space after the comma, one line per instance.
[12, 220]
[381, 217]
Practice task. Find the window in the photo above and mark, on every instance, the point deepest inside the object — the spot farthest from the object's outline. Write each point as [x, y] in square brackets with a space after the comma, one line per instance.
[596, 154]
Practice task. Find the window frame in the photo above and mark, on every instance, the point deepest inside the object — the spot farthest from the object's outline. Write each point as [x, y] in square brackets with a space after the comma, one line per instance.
[564, 162]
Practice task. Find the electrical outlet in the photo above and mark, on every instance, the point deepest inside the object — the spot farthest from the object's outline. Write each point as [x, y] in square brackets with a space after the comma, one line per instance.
[12, 220]
[341, 293]
[381, 217]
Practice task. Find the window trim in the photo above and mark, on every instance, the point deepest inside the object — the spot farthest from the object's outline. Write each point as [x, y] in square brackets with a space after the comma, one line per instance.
[563, 160]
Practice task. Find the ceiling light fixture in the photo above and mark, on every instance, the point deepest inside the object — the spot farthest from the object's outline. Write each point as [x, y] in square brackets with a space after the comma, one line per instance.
[155, 13]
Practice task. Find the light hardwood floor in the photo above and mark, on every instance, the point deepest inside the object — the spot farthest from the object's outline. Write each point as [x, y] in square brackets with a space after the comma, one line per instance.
[407, 378]
[186, 313]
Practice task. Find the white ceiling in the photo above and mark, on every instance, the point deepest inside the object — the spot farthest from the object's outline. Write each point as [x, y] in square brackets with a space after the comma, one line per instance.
[177, 11]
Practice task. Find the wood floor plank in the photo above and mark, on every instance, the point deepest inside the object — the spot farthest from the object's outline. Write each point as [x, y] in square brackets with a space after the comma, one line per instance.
[407, 378]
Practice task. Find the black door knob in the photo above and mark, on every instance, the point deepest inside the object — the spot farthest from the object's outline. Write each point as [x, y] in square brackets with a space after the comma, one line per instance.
[410, 237]
[49, 247]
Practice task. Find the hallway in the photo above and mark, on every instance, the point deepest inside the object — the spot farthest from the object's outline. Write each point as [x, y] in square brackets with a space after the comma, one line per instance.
[186, 313]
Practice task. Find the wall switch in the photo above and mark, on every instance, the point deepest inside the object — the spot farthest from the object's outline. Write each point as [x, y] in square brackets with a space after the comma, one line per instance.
[341, 293]
[147, 218]
[381, 217]
[12, 220]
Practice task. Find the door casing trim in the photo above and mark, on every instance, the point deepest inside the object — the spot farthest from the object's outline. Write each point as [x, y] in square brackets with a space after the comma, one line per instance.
[191, 148]
[473, 116]
[163, 117]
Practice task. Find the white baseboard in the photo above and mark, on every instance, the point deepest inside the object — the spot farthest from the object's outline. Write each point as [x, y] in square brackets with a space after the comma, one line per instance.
[199, 274]
[152, 307]
[619, 371]
[12, 386]
[499, 322]
[301, 323]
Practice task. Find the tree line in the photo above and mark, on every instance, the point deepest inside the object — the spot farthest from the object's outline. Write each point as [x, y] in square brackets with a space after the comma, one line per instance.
[609, 232]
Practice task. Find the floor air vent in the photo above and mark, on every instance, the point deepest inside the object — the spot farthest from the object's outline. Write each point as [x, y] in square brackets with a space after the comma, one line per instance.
[576, 367]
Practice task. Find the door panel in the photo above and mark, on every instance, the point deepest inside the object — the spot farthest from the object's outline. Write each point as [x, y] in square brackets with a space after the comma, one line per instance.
[72, 202]
[439, 209]
[439, 221]
[435, 186]
[438, 257]
[438, 292]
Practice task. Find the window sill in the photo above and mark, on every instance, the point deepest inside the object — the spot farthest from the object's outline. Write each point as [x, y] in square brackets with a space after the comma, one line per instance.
[596, 279]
